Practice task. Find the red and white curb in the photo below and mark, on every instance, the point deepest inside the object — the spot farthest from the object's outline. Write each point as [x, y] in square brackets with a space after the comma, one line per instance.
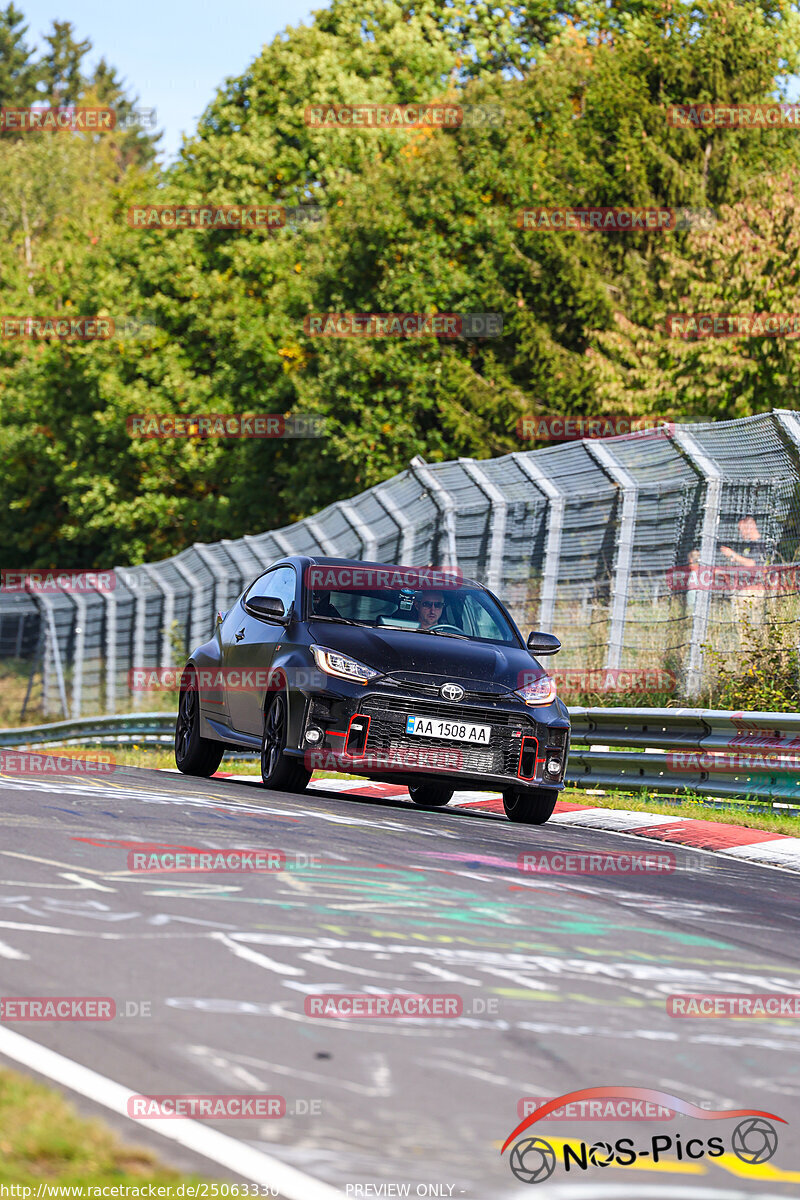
[735, 841]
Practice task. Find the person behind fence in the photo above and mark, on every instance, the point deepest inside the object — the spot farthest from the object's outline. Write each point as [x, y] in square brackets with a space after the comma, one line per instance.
[692, 580]
[747, 578]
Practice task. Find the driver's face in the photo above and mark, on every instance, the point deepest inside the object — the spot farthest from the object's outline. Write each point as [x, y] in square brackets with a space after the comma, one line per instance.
[429, 606]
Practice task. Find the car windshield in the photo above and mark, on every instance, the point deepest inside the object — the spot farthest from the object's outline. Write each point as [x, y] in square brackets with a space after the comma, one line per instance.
[461, 611]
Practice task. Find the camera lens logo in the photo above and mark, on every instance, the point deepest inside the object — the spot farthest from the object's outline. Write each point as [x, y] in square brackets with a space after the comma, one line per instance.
[754, 1140]
[601, 1154]
[533, 1160]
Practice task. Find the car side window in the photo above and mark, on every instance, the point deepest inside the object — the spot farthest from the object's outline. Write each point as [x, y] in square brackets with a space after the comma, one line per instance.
[278, 584]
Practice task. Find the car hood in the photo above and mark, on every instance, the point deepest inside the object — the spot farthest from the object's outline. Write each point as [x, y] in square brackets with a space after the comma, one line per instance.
[415, 657]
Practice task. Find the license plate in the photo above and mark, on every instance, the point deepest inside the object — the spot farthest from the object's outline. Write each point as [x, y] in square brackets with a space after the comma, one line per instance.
[454, 731]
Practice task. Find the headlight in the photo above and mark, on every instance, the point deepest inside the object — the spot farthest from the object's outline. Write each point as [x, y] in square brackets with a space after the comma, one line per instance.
[334, 663]
[541, 691]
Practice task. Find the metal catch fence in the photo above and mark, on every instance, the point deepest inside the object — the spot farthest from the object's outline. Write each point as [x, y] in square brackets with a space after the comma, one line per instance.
[634, 550]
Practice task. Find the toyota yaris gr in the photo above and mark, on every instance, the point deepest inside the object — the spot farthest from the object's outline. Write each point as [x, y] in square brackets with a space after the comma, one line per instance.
[409, 674]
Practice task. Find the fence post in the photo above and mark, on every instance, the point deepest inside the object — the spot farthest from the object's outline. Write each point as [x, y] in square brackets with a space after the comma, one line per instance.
[168, 613]
[443, 501]
[556, 502]
[711, 473]
[499, 508]
[601, 453]
[220, 578]
[134, 585]
[196, 634]
[280, 540]
[110, 611]
[405, 527]
[79, 655]
[257, 552]
[325, 544]
[369, 543]
[51, 646]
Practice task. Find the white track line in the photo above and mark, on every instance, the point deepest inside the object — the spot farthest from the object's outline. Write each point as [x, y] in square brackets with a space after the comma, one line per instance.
[217, 1147]
[7, 951]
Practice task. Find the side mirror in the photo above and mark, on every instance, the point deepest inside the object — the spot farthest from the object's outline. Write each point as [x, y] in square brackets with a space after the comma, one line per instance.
[269, 607]
[543, 643]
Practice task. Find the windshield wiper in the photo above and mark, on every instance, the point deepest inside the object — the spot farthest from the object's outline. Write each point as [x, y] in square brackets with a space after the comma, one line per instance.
[444, 633]
[337, 620]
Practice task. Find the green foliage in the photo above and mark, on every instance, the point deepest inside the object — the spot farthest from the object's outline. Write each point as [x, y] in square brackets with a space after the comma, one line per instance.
[764, 678]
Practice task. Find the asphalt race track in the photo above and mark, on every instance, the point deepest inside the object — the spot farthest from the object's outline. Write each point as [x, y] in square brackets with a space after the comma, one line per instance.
[563, 982]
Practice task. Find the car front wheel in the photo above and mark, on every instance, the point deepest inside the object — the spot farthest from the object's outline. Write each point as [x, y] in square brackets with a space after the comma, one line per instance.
[194, 755]
[530, 807]
[277, 770]
[430, 795]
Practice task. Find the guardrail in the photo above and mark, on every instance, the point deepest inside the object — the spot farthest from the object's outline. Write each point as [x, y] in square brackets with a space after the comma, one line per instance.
[133, 727]
[747, 755]
[753, 755]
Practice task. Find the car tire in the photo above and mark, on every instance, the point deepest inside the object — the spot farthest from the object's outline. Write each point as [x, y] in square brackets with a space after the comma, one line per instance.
[278, 771]
[532, 806]
[430, 795]
[194, 755]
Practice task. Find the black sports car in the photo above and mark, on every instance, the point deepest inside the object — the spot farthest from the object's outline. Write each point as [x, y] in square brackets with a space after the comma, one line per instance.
[410, 674]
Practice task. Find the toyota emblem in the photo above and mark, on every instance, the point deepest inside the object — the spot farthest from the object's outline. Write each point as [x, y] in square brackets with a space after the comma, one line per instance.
[451, 691]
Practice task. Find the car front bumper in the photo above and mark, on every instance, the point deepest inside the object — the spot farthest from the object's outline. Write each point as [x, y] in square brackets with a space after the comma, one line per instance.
[363, 732]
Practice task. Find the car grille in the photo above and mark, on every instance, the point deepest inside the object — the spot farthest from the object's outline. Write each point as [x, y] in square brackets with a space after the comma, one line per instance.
[388, 723]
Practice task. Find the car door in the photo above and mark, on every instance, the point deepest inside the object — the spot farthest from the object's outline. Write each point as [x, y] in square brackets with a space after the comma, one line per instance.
[249, 645]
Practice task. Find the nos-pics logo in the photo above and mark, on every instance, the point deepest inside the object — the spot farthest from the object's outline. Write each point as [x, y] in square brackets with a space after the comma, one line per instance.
[533, 1160]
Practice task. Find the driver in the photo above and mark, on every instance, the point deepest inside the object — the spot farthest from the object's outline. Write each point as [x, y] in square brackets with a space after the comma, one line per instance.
[428, 608]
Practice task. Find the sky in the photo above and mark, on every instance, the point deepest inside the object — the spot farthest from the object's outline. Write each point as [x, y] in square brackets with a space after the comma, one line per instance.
[173, 54]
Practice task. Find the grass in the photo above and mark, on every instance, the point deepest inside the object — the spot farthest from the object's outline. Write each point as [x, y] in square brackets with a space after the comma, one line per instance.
[44, 1140]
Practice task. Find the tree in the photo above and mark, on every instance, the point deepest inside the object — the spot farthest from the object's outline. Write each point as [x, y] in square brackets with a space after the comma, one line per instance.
[18, 72]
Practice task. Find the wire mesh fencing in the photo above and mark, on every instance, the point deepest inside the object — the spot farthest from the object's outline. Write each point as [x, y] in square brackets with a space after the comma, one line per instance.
[672, 549]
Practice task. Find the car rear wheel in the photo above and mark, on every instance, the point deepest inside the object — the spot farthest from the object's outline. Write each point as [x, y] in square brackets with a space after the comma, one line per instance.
[530, 807]
[430, 795]
[277, 770]
[194, 755]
